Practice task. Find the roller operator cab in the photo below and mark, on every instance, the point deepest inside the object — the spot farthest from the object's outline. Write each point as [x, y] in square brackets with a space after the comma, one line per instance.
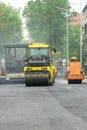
[75, 74]
[39, 68]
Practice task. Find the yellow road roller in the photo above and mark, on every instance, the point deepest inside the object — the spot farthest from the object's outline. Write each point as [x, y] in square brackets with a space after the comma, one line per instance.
[39, 68]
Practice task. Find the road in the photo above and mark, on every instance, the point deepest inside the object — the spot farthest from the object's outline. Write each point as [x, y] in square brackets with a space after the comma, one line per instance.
[58, 107]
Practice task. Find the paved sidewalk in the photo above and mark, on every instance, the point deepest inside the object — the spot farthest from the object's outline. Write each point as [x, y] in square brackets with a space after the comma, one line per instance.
[85, 80]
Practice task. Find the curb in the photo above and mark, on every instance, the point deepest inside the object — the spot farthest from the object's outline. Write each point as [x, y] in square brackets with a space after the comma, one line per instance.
[85, 80]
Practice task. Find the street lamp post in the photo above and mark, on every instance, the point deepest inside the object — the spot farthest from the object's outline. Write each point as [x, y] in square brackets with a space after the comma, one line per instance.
[67, 40]
[81, 33]
[67, 20]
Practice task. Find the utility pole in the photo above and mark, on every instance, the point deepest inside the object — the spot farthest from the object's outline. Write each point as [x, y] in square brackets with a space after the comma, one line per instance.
[81, 24]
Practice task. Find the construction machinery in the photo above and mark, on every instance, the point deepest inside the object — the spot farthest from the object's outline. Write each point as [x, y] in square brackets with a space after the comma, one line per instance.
[75, 74]
[13, 63]
[39, 68]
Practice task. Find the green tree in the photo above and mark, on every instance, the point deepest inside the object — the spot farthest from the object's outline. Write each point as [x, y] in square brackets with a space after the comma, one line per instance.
[46, 23]
[10, 25]
[74, 40]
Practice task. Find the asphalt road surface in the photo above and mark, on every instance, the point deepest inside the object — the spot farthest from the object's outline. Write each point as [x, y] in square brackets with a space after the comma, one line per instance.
[58, 107]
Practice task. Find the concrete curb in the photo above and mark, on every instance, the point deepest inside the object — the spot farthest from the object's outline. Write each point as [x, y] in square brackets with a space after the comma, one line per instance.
[12, 81]
[85, 80]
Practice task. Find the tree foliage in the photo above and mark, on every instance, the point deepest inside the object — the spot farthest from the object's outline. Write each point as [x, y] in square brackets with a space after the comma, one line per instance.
[10, 25]
[74, 41]
[46, 22]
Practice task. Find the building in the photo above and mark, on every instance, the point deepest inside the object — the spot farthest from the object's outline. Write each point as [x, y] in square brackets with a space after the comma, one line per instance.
[75, 20]
[84, 19]
[85, 24]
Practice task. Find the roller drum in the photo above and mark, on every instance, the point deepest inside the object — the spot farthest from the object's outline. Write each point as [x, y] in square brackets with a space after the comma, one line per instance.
[37, 78]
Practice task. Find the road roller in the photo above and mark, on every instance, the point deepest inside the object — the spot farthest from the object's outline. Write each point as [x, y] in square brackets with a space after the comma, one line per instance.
[75, 74]
[12, 64]
[39, 69]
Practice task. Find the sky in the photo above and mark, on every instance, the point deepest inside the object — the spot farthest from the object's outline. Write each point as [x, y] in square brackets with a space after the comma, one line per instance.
[15, 3]
[77, 5]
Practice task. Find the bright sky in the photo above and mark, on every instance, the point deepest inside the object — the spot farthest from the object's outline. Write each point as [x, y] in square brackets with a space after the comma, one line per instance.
[15, 3]
[77, 5]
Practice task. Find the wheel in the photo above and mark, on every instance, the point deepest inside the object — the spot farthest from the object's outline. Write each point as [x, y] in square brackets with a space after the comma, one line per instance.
[74, 81]
[69, 81]
[26, 83]
[79, 81]
[52, 82]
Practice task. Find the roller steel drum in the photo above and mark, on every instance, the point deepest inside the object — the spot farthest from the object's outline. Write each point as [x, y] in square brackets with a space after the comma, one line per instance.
[36, 78]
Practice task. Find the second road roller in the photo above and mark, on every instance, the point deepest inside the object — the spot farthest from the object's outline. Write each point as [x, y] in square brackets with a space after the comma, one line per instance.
[39, 68]
[75, 74]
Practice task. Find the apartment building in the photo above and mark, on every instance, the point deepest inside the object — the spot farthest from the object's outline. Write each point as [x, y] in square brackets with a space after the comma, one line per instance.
[84, 19]
[85, 24]
[75, 20]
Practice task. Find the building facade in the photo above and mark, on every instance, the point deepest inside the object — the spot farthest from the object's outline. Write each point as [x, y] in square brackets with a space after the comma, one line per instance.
[84, 38]
[75, 20]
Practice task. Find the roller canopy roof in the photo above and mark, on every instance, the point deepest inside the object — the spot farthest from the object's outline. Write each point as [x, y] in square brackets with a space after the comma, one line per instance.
[16, 45]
